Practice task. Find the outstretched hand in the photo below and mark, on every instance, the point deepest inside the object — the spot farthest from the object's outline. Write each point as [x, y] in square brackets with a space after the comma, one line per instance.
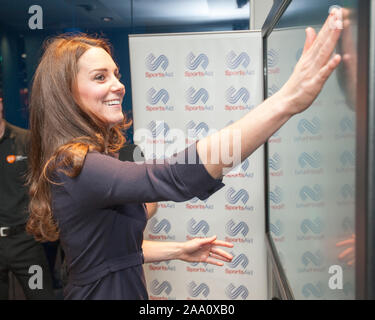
[206, 250]
[315, 65]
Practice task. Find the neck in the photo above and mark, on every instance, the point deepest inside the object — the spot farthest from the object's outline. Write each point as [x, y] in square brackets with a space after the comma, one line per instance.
[2, 127]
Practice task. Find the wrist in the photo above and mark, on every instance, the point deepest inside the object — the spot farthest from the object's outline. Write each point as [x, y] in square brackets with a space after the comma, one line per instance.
[284, 103]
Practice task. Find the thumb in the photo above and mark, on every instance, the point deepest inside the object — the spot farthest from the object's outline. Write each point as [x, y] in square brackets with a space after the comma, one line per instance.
[208, 240]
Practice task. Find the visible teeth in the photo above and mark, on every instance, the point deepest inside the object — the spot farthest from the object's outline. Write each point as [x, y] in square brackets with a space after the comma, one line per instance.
[113, 102]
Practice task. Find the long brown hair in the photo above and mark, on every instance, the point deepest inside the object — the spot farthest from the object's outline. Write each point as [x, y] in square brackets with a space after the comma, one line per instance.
[61, 132]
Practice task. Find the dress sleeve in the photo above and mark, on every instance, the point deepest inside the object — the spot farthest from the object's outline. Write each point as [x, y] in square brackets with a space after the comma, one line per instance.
[105, 181]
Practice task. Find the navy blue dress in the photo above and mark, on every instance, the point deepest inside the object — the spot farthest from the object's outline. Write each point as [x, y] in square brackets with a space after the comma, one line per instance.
[101, 217]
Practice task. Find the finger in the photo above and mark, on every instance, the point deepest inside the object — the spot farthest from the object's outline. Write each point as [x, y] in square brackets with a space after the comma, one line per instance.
[328, 47]
[345, 242]
[215, 262]
[205, 241]
[223, 244]
[326, 71]
[310, 38]
[222, 253]
[329, 28]
[345, 253]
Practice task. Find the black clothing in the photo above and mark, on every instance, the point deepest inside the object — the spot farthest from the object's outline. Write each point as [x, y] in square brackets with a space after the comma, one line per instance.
[101, 219]
[18, 250]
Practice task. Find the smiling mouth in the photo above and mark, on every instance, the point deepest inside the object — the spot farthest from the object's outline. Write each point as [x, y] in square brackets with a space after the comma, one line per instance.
[111, 103]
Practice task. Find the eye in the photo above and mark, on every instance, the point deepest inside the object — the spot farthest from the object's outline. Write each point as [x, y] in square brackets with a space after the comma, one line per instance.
[99, 77]
[118, 75]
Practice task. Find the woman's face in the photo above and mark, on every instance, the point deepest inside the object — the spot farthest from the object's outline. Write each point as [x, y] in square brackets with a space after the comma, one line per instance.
[98, 87]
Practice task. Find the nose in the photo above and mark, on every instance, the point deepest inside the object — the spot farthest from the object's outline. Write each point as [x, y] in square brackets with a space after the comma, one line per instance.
[117, 86]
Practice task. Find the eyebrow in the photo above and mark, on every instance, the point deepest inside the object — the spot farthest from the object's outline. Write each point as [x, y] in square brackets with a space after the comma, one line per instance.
[103, 69]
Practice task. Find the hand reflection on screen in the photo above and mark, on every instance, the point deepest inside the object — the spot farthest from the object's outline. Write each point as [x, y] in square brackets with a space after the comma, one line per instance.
[348, 254]
[347, 47]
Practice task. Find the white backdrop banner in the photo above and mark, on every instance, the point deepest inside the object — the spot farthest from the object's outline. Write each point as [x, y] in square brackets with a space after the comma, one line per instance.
[184, 87]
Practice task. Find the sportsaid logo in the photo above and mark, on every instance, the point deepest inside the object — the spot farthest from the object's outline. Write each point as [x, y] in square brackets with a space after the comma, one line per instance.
[195, 228]
[272, 61]
[346, 162]
[309, 130]
[237, 99]
[310, 290]
[310, 163]
[200, 291]
[197, 100]
[241, 171]
[312, 262]
[274, 164]
[237, 232]
[311, 229]
[233, 292]
[237, 63]
[160, 290]
[238, 265]
[158, 66]
[158, 100]
[196, 204]
[277, 230]
[201, 267]
[158, 132]
[166, 205]
[196, 131]
[195, 62]
[311, 197]
[346, 196]
[161, 266]
[276, 198]
[346, 129]
[237, 200]
[160, 230]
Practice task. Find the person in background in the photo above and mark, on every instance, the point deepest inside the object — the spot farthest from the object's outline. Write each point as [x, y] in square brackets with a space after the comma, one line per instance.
[18, 250]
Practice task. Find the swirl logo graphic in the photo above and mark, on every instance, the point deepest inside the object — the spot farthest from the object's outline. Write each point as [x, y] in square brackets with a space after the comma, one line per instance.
[157, 288]
[156, 227]
[272, 58]
[193, 96]
[275, 162]
[272, 90]
[194, 228]
[308, 257]
[240, 259]
[315, 226]
[195, 290]
[276, 196]
[193, 62]
[347, 158]
[346, 124]
[314, 160]
[233, 61]
[314, 193]
[233, 197]
[234, 229]
[277, 228]
[152, 64]
[233, 97]
[158, 127]
[312, 126]
[154, 97]
[309, 289]
[194, 130]
[347, 191]
[233, 293]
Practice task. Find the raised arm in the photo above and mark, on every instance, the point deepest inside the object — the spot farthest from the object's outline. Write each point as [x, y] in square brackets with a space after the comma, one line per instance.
[311, 72]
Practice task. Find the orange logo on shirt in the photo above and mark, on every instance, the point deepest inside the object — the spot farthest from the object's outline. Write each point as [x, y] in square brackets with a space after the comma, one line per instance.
[11, 158]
